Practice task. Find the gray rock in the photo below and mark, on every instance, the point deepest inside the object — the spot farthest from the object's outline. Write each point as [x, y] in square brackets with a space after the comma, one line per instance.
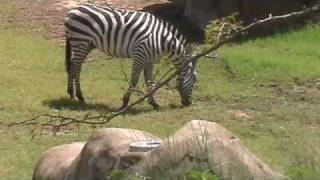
[209, 142]
[107, 150]
[55, 162]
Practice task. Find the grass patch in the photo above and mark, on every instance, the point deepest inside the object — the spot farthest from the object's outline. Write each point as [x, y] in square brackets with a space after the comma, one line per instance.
[250, 90]
[284, 58]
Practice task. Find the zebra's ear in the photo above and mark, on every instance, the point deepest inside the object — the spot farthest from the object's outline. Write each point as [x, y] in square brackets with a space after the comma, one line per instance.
[193, 55]
[195, 51]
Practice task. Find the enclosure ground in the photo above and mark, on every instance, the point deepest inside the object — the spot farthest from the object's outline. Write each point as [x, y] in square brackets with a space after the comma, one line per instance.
[266, 91]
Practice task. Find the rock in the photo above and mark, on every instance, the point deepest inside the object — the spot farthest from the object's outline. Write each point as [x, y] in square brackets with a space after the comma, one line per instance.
[54, 163]
[213, 144]
[106, 150]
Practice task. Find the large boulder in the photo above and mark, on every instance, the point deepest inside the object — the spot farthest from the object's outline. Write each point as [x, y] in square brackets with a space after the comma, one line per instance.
[55, 162]
[109, 149]
[209, 142]
[106, 150]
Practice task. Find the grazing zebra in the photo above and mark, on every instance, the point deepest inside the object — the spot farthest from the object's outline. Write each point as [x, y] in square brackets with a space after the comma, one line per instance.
[123, 33]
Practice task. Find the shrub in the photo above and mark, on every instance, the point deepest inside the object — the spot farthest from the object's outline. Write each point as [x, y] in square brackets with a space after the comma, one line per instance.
[220, 29]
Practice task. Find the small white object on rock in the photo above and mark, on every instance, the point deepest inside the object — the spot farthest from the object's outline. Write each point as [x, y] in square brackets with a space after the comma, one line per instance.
[143, 146]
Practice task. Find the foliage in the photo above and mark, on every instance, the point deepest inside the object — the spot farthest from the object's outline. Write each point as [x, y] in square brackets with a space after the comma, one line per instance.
[221, 28]
[189, 175]
[303, 173]
[200, 175]
[122, 175]
[117, 175]
[304, 164]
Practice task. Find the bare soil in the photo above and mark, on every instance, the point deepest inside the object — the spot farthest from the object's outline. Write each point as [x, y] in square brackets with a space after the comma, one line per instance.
[47, 15]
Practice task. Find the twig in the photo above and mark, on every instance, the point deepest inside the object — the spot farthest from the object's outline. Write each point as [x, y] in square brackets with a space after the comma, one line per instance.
[57, 122]
[220, 32]
[106, 3]
[166, 74]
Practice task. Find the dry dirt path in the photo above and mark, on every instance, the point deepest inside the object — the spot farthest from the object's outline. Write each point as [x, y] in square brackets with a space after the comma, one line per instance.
[46, 16]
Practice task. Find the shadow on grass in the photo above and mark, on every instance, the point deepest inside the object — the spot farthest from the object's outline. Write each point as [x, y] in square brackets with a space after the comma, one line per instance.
[67, 103]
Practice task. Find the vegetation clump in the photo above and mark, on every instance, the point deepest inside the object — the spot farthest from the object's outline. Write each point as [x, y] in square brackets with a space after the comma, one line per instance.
[221, 28]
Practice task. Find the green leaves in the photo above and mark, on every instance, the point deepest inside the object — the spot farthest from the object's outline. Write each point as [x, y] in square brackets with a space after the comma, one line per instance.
[220, 29]
[200, 175]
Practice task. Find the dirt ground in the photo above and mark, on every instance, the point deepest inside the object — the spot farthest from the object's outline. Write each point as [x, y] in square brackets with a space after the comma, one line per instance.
[47, 15]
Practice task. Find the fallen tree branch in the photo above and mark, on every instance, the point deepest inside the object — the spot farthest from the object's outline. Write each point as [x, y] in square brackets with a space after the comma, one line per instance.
[56, 122]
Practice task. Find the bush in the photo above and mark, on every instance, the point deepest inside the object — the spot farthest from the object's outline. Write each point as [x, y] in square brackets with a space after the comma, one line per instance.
[201, 175]
[220, 29]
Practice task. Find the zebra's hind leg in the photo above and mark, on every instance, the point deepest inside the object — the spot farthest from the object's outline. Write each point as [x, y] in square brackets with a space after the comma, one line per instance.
[70, 88]
[148, 79]
[68, 65]
[80, 50]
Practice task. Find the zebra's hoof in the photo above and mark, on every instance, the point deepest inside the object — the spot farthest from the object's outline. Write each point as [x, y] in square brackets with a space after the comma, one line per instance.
[82, 101]
[73, 98]
[186, 103]
[156, 107]
[154, 104]
[80, 98]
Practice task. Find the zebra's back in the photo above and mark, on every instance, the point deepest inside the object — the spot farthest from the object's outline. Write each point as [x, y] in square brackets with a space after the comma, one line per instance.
[113, 31]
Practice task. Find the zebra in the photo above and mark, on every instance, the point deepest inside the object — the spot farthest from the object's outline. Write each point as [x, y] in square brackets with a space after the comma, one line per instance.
[126, 34]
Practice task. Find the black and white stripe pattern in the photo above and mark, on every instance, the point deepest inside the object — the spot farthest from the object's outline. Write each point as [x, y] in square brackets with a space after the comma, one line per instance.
[122, 33]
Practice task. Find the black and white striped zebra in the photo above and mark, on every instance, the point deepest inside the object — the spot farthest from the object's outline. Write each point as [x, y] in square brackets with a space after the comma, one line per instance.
[123, 33]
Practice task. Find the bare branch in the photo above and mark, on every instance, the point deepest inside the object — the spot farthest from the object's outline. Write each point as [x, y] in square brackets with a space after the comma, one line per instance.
[220, 32]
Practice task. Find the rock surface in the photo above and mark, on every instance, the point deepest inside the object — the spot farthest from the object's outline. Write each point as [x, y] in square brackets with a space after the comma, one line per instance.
[55, 162]
[106, 150]
[213, 144]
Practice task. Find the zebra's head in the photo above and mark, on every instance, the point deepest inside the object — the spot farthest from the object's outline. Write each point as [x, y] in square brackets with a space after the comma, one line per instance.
[187, 78]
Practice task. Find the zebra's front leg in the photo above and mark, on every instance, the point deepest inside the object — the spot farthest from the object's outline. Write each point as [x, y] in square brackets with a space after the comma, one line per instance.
[148, 79]
[135, 73]
[78, 87]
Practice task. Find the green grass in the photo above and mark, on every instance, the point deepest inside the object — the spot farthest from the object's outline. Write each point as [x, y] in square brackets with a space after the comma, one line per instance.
[279, 58]
[256, 77]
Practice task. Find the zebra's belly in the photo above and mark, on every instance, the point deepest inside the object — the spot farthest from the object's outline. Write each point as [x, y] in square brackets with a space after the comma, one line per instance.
[119, 51]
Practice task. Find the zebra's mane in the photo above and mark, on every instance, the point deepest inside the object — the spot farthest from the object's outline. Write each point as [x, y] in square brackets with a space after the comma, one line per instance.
[175, 31]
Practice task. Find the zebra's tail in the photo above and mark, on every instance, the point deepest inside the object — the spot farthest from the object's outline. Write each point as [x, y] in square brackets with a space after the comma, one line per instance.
[68, 55]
